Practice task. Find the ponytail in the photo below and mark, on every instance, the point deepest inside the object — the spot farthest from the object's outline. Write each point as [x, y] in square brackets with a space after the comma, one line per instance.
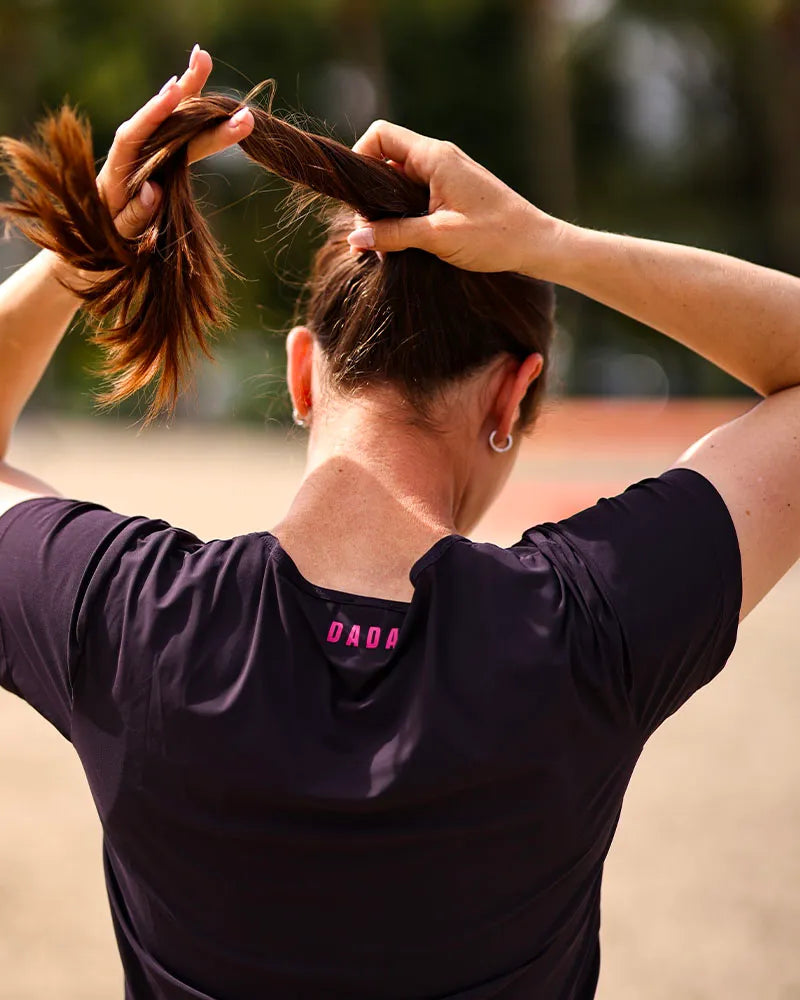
[156, 299]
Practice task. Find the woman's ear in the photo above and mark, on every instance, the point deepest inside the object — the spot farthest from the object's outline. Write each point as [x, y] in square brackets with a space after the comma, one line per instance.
[515, 385]
[299, 355]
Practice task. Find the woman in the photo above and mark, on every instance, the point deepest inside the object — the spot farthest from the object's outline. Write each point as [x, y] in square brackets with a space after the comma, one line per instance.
[359, 755]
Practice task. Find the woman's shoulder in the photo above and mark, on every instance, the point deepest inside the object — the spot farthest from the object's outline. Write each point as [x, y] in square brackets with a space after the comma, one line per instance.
[91, 543]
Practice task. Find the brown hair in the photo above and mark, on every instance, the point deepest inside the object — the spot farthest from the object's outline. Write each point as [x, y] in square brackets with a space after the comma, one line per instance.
[410, 319]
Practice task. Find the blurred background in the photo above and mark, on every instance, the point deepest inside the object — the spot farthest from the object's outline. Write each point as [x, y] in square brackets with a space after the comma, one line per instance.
[675, 119]
[666, 118]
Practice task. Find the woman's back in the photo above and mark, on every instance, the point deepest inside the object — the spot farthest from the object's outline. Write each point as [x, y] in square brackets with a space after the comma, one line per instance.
[311, 793]
[308, 792]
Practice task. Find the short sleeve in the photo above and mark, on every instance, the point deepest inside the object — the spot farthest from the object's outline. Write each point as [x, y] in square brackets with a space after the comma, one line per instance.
[50, 551]
[664, 559]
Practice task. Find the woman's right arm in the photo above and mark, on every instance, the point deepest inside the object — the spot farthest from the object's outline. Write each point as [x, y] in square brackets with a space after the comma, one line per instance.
[743, 317]
[746, 319]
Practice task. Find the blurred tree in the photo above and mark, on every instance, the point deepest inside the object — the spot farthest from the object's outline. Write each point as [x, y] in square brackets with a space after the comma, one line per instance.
[547, 66]
[777, 93]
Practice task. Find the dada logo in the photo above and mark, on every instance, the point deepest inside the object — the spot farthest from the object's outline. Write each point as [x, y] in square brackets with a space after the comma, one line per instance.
[372, 638]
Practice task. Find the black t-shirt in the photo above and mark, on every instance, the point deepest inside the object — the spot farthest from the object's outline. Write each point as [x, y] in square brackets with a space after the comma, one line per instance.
[310, 794]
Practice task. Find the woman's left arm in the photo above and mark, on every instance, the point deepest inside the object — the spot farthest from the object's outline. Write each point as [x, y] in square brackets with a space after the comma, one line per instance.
[36, 308]
[35, 311]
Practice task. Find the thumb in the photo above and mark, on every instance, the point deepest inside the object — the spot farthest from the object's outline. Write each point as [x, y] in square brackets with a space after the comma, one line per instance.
[391, 235]
[137, 214]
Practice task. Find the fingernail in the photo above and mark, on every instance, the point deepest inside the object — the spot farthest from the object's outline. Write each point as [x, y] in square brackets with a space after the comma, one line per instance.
[170, 83]
[193, 56]
[147, 195]
[364, 239]
[238, 118]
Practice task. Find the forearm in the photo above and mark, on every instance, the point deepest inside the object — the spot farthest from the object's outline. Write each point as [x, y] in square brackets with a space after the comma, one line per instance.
[35, 311]
[743, 317]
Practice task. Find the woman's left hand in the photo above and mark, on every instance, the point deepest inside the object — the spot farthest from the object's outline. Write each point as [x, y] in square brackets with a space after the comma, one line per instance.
[132, 216]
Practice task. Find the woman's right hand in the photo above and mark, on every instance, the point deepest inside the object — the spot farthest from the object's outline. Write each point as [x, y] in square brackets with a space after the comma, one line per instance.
[133, 215]
[475, 221]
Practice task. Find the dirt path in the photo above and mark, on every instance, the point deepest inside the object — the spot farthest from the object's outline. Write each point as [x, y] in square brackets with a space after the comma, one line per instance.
[702, 886]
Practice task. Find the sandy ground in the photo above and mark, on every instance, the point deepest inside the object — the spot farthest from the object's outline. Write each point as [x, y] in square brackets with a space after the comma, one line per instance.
[702, 889]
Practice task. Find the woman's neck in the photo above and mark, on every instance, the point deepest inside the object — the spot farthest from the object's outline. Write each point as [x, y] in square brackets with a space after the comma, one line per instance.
[380, 495]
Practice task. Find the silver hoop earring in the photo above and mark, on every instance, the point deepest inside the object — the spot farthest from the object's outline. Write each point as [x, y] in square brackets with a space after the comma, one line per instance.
[494, 446]
[298, 419]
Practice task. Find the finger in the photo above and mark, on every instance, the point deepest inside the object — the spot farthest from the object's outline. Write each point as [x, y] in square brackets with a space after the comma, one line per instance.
[138, 213]
[236, 128]
[196, 75]
[131, 134]
[129, 138]
[386, 141]
[391, 235]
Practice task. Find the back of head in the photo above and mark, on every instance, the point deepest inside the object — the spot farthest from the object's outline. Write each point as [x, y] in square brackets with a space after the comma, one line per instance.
[408, 319]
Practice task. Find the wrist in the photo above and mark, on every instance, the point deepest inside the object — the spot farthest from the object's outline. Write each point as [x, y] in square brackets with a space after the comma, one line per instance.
[551, 248]
[65, 276]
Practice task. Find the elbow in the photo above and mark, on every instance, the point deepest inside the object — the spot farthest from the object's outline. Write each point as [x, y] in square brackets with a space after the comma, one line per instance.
[782, 374]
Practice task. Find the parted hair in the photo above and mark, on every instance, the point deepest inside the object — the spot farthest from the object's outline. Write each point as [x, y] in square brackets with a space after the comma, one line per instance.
[409, 319]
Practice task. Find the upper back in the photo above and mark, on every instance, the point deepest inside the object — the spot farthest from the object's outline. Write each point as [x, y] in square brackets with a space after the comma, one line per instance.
[338, 795]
